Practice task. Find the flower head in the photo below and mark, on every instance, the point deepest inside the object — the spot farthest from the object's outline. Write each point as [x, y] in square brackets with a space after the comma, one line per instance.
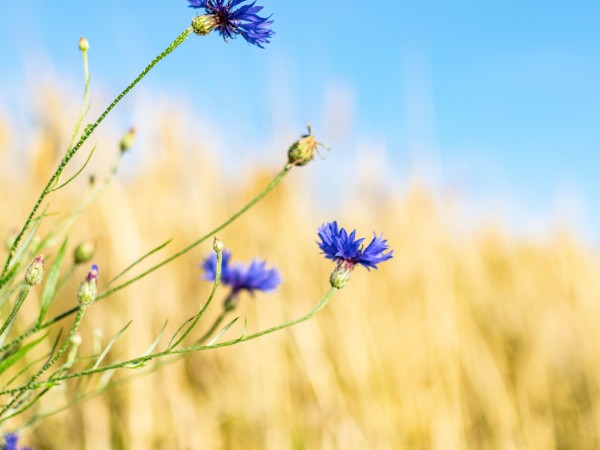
[348, 251]
[255, 277]
[231, 21]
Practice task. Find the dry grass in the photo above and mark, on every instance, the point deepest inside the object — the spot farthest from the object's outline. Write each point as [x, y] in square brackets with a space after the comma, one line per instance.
[468, 338]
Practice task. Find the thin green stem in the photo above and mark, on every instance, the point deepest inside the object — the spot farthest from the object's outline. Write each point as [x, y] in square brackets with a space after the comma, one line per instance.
[214, 327]
[86, 134]
[86, 99]
[278, 178]
[165, 353]
[206, 304]
[32, 382]
[15, 309]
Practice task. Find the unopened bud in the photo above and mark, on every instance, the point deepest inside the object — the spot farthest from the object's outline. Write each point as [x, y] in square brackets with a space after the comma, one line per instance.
[35, 272]
[340, 276]
[84, 45]
[84, 252]
[217, 245]
[76, 340]
[127, 140]
[303, 150]
[203, 25]
[89, 287]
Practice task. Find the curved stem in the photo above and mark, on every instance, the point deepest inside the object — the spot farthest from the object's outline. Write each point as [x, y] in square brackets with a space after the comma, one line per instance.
[211, 233]
[165, 353]
[206, 304]
[86, 134]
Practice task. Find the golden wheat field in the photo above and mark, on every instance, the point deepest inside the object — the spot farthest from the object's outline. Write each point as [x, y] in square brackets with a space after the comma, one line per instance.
[468, 338]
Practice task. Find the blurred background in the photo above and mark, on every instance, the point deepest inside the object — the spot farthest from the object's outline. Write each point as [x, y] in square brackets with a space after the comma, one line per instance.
[466, 133]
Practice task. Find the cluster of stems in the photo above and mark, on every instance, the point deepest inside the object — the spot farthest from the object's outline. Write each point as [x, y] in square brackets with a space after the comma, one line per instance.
[62, 361]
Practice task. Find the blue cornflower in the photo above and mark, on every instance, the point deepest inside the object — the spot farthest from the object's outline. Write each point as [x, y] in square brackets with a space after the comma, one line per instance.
[347, 251]
[254, 277]
[230, 21]
[10, 442]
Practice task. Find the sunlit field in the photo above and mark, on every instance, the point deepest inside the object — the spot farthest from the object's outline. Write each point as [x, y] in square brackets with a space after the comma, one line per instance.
[468, 338]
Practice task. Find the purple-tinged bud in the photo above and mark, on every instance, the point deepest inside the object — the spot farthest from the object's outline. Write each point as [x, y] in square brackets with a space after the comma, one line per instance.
[35, 272]
[202, 25]
[303, 150]
[84, 45]
[84, 252]
[89, 287]
[127, 140]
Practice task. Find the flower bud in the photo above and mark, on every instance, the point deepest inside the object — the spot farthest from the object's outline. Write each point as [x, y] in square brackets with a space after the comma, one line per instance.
[84, 45]
[303, 150]
[340, 276]
[88, 288]
[84, 252]
[35, 272]
[217, 245]
[203, 25]
[76, 340]
[127, 140]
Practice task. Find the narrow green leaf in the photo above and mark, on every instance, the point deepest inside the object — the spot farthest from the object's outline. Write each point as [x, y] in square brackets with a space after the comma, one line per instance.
[222, 332]
[110, 344]
[28, 239]
[148, 351]
[7, 362]
[176, 334]
[51, 281]
[77, 173]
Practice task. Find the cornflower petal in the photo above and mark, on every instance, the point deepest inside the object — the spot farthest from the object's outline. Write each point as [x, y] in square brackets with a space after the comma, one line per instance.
[375, 253]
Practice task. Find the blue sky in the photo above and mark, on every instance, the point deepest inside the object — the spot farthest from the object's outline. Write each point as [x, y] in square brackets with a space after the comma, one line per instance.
[498, 100]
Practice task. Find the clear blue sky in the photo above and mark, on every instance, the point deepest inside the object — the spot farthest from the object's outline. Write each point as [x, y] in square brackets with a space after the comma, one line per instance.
[500, 99]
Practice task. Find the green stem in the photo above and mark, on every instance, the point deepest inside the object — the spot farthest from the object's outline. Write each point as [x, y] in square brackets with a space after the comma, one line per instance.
[211, 233]
[206, 304]
[16, 307]
[181, 351]
[32, 382]
[213, 328]
[86, 134]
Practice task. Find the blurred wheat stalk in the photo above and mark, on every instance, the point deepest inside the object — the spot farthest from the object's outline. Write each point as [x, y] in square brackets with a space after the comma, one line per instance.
[463, 340]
